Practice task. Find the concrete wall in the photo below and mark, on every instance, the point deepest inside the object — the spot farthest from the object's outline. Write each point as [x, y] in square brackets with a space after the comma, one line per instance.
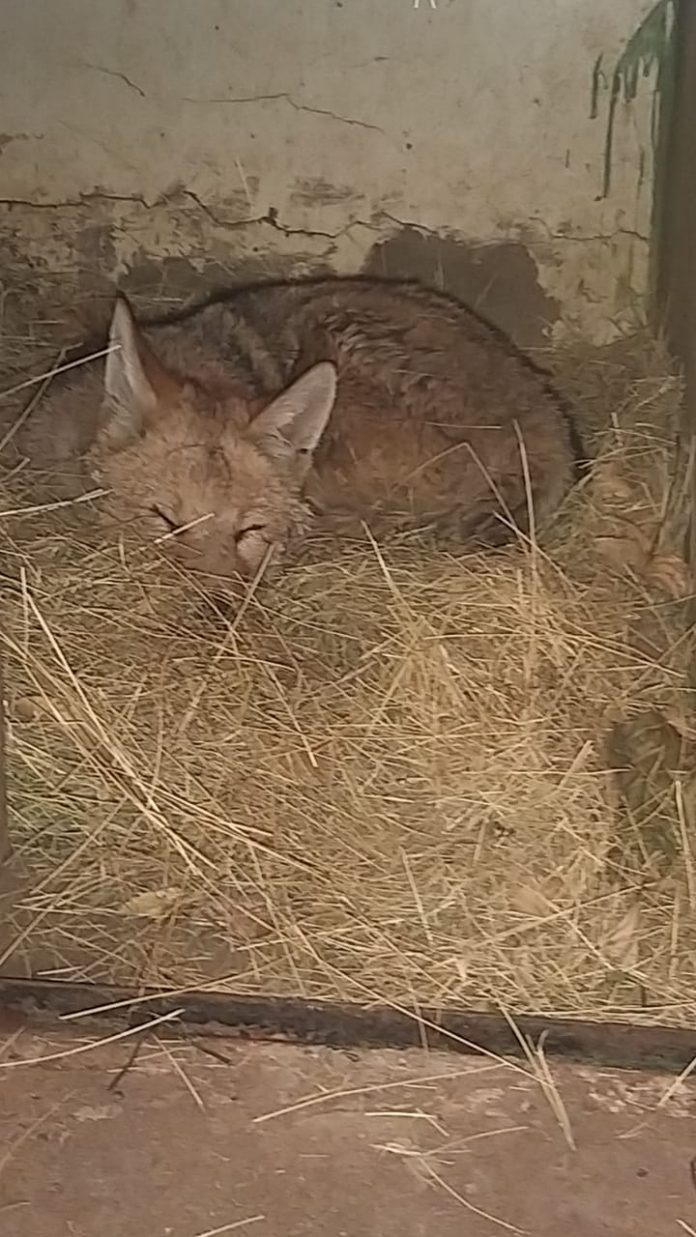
[452, 141]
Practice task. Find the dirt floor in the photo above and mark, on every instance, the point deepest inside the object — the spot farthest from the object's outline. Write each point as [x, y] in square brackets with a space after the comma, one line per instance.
[214, 1137]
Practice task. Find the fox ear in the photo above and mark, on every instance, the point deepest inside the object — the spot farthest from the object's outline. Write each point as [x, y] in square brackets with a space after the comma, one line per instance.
[295, 421]
[137, 387]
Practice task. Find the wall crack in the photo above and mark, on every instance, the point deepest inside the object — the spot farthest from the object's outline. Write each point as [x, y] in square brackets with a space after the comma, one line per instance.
[599, 236]
[287, 98]
[271, 218]
[98, 68]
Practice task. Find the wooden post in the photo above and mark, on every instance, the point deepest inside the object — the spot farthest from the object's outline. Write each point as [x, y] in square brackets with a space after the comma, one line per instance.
[5, 844]
[675, 239]
[676, 254]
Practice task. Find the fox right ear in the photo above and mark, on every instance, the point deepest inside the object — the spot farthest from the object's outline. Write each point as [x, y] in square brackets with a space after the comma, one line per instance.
[136, 384]
[293, 423]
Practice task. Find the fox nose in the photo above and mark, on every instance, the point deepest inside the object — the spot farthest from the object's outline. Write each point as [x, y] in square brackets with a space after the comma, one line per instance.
[222, 566]
[207, 565]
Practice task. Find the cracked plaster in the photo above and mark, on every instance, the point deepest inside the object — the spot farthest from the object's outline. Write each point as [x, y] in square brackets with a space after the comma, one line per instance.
[316, 135]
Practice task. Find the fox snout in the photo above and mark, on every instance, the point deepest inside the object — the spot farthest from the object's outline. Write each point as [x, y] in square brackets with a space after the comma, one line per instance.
[222, 560]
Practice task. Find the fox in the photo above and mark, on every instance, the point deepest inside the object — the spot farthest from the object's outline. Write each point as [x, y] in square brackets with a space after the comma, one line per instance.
[229, 430]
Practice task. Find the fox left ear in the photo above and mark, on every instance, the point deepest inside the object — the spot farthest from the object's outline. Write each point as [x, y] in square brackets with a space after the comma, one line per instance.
[137, 387]
[295, 421]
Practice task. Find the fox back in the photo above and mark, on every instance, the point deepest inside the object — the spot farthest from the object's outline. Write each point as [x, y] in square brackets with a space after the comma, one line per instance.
[227, 431]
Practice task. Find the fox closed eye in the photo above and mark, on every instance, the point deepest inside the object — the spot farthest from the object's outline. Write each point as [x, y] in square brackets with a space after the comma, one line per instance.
[250, 528]
[172, 525]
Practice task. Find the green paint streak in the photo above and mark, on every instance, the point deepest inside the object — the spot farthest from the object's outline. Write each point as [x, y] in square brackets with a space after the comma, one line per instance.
[599, 80]
[649, 45]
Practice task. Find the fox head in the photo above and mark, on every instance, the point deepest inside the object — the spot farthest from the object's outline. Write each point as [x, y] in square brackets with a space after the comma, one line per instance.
[189, 462]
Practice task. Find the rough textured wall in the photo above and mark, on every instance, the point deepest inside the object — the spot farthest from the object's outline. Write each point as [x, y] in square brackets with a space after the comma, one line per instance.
[453, 142]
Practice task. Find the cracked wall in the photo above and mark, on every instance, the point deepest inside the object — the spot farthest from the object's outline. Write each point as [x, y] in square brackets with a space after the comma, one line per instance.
[158, 142]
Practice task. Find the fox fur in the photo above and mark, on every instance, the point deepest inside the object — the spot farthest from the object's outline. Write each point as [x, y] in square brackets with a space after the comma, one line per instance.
[233, 428]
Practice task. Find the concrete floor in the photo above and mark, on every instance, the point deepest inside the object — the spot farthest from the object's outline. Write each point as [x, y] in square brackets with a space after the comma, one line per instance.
[186, 1144]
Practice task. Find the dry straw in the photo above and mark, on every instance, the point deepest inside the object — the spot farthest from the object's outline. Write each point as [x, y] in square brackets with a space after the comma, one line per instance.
[391, 775]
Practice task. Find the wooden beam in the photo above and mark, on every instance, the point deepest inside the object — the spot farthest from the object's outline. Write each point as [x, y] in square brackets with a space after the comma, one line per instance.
[223, 1015]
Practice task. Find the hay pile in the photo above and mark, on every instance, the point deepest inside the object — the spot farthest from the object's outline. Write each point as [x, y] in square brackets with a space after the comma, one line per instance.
[389, 777]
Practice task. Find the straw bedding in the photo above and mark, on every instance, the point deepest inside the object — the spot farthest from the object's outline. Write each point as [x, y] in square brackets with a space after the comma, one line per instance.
[398, 773]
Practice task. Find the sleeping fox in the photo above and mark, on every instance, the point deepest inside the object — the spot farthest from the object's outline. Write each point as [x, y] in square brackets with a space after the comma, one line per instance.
[233, 428]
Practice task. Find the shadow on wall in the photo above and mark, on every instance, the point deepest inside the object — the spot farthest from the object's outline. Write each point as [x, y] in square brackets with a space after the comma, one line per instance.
[499, 281]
